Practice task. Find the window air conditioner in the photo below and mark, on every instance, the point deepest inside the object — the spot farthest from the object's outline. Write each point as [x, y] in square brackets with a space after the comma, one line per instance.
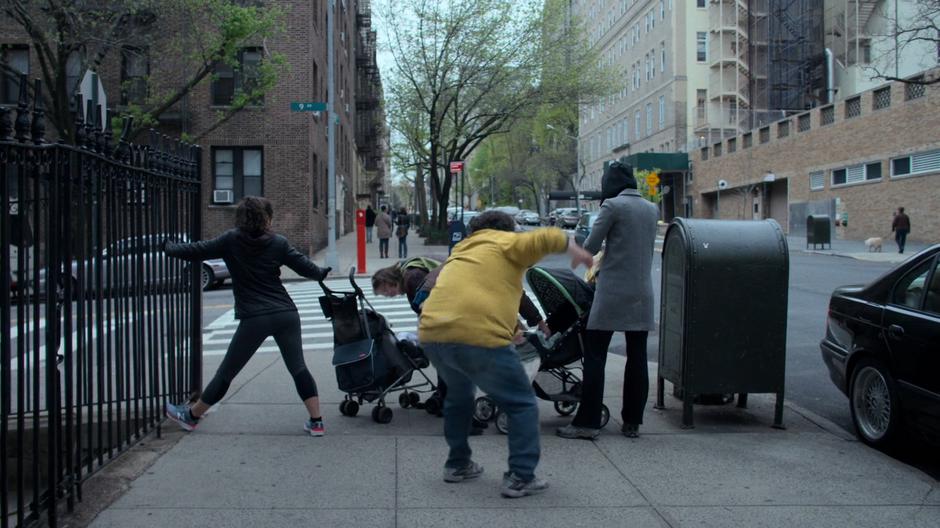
[224, 196]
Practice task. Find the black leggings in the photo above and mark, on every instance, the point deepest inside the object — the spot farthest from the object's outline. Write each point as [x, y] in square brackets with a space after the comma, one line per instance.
[636, 382]
[251, 332]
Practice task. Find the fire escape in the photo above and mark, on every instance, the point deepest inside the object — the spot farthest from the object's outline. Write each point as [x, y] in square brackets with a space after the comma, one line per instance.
[370, 116]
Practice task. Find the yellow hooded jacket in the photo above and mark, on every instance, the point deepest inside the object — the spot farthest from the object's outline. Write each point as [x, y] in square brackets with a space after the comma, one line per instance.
[476, 298]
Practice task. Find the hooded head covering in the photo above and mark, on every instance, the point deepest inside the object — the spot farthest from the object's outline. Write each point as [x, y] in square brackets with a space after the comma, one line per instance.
[617, 177]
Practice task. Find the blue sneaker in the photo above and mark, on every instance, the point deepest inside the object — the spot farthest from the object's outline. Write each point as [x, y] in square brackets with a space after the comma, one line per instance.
[181, 415]
[314, 427]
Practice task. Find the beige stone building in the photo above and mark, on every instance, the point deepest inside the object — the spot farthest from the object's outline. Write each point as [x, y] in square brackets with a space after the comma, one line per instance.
[856, 160]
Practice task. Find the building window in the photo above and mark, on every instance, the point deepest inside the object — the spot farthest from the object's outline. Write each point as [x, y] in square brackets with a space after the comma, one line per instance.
[636, 125]
[881, 98]
[135, 68]
[732, 145]
[914, 90]
[704, 153]
[716, 149]
[701, 46]
[747, 140]
[803, 123]
[783, 129]
[853, 107]
[227, 81]
[764, 135]
[649, 118]
[662, 111]
[817, 181]
[873, 171]
[15, 58]
[653, 64]
[662, 9]
[827, 116]
[838, 177]
[700, 4]
[921, 163]
[73, 73]
[662, 58]
[238, 170]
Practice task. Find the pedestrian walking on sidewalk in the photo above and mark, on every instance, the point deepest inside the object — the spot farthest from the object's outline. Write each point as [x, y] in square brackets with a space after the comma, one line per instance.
[254, 255]
[370, 223]
[403, 224]
[383, 229]
[901, 225]
[466, 328]
[623, 301]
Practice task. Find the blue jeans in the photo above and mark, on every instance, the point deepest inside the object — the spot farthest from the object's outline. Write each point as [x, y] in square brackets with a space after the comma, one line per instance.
[500, 374]
[403, 247]
[369, 234]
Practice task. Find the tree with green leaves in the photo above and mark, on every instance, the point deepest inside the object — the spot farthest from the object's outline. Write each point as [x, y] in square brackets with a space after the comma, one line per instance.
[466, 70]
[191, 38]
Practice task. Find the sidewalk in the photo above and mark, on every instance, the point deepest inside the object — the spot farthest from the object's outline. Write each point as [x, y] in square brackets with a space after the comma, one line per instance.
[856, 249]
[249, 464]
[346, 250]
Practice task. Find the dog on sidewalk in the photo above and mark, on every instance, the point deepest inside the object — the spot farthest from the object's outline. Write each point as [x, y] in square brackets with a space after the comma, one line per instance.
[874, 244]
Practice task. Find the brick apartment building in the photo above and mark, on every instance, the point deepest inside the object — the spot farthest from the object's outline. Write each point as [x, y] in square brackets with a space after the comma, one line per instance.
[856, 160]
[268, 149]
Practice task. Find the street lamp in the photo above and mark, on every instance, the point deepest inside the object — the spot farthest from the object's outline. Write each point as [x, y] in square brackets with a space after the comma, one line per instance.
[578, 174]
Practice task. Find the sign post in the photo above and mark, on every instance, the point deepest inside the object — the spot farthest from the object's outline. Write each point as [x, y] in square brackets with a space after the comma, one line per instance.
[457, 230]
[307, 107]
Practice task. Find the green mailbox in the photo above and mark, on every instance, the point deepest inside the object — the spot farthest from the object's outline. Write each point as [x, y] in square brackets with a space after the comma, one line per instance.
[819, 231]
[723, 311]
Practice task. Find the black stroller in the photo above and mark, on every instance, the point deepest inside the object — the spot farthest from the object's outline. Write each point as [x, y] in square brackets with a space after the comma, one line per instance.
[566, 300]
[370, 361]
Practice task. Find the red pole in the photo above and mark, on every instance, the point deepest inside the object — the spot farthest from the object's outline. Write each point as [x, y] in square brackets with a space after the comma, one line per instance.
[361, 241]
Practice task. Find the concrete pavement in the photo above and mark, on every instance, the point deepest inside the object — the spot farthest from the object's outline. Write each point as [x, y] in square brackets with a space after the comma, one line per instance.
[249, 464]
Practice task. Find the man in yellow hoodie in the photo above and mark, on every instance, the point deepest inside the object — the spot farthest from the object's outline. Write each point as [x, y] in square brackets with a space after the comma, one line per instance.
[466, 328]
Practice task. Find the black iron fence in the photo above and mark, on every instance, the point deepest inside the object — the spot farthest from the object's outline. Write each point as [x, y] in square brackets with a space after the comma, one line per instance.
[100, 328]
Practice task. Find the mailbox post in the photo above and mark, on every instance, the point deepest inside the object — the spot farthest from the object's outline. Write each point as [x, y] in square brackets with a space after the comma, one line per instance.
[361, 240]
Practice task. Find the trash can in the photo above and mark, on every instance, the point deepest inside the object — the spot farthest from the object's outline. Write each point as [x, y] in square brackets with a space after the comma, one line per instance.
[819, 231]
[723, 311]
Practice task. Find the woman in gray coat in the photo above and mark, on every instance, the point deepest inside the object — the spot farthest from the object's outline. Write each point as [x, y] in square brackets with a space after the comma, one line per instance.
[623, 302]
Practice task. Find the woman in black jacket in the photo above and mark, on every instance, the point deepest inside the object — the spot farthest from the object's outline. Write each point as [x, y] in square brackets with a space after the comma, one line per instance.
[254, 255]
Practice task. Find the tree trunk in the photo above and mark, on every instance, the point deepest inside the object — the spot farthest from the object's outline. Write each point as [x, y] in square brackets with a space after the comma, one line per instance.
[421, 198]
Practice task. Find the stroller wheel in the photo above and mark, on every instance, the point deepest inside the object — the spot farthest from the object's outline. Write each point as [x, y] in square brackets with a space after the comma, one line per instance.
[349, 408]
[382, 414]
[404, 399]
[434, 405]
[414, 399]
[605, 416]
[565, 408]
[484, 408]
[502, 422]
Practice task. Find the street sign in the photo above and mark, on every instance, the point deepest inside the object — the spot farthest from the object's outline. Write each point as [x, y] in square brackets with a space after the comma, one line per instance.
[307, 107]
[652, 179]
[92, 90]
[456, 166]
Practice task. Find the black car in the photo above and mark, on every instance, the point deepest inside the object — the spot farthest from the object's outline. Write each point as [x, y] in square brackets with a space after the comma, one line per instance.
[882, 348]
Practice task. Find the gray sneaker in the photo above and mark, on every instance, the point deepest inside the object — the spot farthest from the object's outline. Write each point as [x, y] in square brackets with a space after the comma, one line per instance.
[572, 431]
[514, 487]
[468, 472]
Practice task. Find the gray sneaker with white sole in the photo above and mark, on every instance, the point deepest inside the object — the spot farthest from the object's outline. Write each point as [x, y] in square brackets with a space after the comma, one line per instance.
[514, 487]
[468, 472]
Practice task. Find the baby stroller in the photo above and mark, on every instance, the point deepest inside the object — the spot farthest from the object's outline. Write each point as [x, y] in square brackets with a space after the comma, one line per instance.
[370, 361]
[566, 300]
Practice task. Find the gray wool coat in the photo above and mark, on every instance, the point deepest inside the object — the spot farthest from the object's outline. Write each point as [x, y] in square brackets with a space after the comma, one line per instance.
[624, 298]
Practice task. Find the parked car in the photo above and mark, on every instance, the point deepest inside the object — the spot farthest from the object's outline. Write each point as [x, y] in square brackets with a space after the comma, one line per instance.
[214, 272]
[570, 217]
[881, 349]
[583, 229]
[527, 217]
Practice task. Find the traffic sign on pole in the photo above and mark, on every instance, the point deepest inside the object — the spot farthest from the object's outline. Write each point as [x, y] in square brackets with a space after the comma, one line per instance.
[652, 179]
[456, 166]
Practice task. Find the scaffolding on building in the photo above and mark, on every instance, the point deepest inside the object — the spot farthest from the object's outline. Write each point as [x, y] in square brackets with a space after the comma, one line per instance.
[766, 60]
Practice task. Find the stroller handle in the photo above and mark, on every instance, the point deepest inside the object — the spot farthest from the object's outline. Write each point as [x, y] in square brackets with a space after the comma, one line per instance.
[352, 281]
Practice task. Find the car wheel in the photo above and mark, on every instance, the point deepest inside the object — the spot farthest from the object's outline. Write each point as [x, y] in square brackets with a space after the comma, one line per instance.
[208, 278]
[874, 403]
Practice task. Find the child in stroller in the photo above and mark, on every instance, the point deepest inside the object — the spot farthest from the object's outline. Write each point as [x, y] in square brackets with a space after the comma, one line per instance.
[566, 300]
[370, 361]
